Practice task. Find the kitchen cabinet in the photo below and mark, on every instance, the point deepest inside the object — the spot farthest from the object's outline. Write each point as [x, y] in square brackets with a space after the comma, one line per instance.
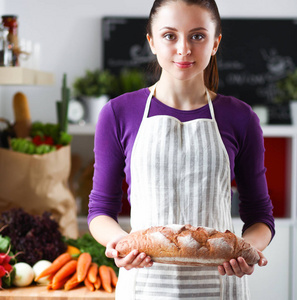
[278, 280]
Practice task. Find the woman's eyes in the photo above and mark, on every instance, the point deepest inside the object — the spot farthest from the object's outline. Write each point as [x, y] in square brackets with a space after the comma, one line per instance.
[195, 37]
[198, 37]
[169, 36]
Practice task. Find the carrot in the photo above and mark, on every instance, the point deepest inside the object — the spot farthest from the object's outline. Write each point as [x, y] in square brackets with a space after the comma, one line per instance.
[59, 284]
[49, 286]
[71, 283]
[89, 284]
[67, 270]
[97, 284]
[57, 264]
[105, 277]
[92, 272]
[51, 276]
[83, 263]
[114, 277]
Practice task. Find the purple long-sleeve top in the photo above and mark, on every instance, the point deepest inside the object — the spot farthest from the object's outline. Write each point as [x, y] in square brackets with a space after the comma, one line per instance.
[239, 126]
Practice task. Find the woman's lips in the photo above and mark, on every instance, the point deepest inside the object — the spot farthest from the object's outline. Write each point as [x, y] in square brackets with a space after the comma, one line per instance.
[184, 64]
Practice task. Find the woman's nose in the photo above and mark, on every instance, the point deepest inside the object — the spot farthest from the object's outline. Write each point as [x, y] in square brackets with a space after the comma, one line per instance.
[183, 48]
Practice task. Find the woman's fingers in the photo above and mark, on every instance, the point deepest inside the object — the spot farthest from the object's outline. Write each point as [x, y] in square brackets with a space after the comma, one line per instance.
[228, 268]
[110, 250]
[134, 260]
[263, 261]
[111, 253]
[146, 261]
[221, 270]
[235, 267]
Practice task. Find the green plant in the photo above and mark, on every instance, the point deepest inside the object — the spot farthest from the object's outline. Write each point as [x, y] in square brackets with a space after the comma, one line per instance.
[287, 88]
[95, 83]
[131, 80]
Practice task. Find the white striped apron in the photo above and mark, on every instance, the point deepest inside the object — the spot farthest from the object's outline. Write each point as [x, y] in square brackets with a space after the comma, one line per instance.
[180, 174]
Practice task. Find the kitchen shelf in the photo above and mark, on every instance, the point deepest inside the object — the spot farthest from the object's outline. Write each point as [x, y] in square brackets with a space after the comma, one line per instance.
[84, 129]
[25, 76]
[279, 130]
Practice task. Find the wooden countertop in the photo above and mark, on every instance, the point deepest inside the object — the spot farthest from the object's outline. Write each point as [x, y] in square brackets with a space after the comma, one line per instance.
[41, 293]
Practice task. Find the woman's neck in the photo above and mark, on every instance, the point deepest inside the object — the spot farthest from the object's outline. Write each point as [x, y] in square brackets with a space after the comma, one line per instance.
[179, 94]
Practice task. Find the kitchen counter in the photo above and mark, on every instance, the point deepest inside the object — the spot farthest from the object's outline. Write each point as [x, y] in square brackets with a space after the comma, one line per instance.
[41, 293]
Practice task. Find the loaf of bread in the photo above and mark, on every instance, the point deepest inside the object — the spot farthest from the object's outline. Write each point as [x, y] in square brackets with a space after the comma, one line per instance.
[188, 245]
[22, 116]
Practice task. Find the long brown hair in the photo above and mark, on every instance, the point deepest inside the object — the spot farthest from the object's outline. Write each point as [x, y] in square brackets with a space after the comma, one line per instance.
[211, 74]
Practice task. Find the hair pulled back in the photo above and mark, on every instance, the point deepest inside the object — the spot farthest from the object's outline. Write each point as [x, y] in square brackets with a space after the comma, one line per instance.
[211, 74]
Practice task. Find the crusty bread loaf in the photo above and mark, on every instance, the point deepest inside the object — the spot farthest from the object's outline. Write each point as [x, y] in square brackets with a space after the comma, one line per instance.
[22, 115]
[188, 245]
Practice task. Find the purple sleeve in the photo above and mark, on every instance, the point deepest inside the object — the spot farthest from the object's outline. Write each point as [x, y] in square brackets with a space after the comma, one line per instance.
[106, 195]
[255, 203]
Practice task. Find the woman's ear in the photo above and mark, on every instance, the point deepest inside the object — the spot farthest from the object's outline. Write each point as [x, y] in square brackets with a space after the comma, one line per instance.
[150, 41]
[216, 45]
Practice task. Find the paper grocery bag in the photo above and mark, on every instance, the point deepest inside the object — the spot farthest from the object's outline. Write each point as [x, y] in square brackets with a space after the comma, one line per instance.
[39, 183]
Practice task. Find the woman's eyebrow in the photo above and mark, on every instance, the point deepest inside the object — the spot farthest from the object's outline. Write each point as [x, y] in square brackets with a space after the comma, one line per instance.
[198, 29]
[174, 29]
[168, 28]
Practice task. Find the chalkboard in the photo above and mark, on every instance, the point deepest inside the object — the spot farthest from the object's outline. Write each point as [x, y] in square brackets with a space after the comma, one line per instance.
[125, 44]
[254, 53]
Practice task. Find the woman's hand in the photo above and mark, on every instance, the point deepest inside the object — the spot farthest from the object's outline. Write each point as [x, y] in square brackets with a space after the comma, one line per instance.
[133, 260]
[239, 267]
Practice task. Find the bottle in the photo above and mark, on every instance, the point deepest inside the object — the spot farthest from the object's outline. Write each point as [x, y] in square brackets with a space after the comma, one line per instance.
[5, 52]
[11, 22]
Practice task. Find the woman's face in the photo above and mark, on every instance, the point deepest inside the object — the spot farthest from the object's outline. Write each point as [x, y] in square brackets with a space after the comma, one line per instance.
[183, 39]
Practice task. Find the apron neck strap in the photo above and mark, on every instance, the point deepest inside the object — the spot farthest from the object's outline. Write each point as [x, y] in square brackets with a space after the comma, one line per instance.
[210, 105]
[149, 99]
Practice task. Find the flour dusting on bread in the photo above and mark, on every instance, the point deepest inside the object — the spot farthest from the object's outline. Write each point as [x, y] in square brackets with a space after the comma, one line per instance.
[188, 241]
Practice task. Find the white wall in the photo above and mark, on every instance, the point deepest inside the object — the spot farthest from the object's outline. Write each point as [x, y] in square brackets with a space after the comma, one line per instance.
[69, 32]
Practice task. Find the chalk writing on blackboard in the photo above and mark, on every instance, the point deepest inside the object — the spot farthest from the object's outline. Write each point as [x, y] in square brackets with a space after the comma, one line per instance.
[253, 55]
[125, 44]
[239, 75]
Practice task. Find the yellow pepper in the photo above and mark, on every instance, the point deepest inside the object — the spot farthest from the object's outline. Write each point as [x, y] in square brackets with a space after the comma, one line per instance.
[72, 250]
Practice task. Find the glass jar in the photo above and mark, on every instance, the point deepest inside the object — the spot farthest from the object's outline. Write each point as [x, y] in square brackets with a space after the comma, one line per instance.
[11, 22]
[5, 52]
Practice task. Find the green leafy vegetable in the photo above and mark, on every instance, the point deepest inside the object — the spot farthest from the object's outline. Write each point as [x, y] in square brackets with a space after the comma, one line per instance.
[4, 243]
[7, 280]
[52, 130]
[87, 243]
[28, 147]
[45, 138]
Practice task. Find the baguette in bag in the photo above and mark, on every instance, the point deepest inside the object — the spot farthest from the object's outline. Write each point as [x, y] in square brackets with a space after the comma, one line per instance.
[188, 245]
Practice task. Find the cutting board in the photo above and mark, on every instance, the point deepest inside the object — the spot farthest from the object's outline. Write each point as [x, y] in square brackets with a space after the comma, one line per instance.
[41, 293]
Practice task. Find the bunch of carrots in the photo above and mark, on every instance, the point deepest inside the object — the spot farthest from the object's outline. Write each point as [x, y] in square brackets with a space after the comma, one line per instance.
[66, 272]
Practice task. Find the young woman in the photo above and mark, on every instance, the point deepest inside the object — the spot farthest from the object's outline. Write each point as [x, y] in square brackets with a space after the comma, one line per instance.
[179, 145]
